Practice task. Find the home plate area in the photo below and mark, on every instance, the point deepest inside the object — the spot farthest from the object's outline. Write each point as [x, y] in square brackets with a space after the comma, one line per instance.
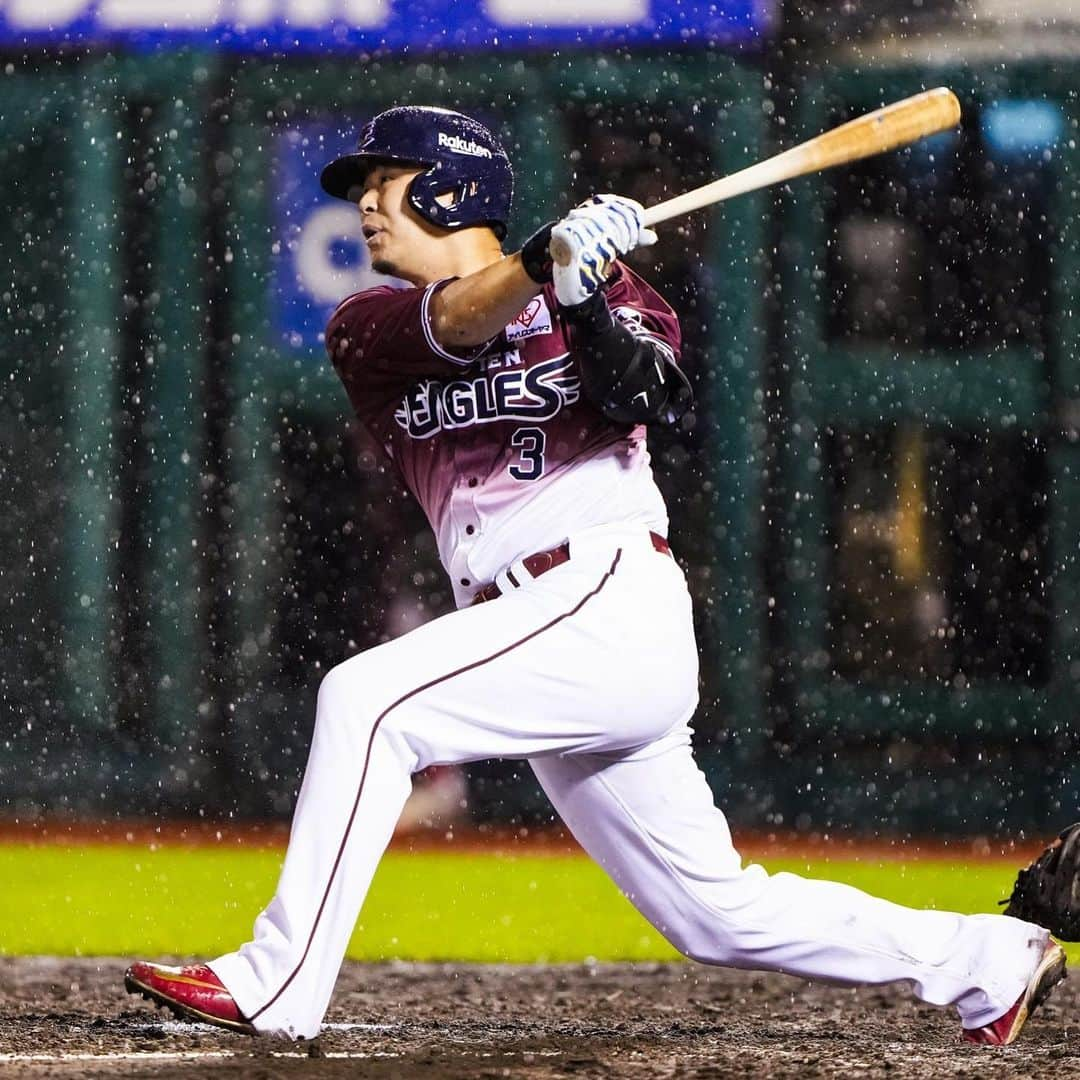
[62, 1018]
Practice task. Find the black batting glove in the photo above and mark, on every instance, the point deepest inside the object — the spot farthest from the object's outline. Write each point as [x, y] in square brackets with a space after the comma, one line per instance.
[591, 317]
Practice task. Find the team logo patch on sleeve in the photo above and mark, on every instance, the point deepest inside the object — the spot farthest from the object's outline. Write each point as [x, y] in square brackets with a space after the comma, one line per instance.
[533, 319]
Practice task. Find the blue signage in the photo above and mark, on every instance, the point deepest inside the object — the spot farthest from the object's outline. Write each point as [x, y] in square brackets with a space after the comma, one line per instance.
[318, 251]
[384, 25]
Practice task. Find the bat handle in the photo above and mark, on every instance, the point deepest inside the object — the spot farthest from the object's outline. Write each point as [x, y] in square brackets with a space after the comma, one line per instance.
[559, 251]
[653, 215]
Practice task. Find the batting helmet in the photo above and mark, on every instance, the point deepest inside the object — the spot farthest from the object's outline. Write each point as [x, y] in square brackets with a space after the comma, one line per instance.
[461, 157]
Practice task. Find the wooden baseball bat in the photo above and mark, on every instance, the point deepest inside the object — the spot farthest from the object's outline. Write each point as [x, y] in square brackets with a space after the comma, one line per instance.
[884, 129]
[898, 124]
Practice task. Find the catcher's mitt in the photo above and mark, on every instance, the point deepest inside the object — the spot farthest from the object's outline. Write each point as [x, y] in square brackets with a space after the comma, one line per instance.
[1047, 893]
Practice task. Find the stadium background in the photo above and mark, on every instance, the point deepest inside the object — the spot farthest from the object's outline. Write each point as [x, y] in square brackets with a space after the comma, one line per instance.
[877, 497]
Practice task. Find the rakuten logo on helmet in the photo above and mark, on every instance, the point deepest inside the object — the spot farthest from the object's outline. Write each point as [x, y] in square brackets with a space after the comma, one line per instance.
[459, 145]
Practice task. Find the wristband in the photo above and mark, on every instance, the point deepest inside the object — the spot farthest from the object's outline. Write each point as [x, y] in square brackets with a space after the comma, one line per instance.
[591, 317]
[535, 257]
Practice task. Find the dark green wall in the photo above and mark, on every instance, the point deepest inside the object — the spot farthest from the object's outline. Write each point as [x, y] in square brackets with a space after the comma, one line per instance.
[148, 400]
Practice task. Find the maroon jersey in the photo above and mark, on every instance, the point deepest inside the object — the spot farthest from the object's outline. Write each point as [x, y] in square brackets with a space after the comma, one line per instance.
[499, 447]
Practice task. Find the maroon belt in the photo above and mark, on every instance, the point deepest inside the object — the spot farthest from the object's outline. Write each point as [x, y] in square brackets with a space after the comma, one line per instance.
[543, 561]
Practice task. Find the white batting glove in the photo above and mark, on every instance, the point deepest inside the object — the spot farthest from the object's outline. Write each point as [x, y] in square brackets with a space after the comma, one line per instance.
[586, 243]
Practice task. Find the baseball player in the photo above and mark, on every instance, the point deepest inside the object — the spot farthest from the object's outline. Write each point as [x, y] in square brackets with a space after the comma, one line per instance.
[512, 393]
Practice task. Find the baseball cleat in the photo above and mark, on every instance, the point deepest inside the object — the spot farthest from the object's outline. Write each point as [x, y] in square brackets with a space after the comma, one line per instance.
[193, 992]
[1005, 1029]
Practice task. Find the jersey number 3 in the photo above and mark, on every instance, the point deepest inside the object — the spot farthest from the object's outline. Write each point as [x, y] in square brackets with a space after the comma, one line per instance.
[529, 442]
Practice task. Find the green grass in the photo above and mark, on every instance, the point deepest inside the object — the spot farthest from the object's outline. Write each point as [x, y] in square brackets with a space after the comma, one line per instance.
[126, 900]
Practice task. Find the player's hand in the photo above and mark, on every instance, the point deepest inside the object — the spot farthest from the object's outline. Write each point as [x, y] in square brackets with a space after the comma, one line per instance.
[589, 239]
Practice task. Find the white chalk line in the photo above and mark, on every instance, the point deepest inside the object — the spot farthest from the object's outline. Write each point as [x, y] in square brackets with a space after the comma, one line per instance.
[177, 1027]
[176, 1055]
[189, 1027]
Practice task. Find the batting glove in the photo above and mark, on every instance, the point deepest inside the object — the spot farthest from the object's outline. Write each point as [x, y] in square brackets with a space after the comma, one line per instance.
[589, 239]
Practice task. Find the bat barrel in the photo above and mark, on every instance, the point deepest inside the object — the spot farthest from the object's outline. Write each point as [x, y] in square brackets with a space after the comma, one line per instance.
[898, 124]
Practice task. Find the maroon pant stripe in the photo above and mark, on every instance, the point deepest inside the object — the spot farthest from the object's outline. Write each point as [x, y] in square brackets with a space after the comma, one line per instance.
[371, 741]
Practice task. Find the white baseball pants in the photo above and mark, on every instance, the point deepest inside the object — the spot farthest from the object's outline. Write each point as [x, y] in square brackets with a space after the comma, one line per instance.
[590, 672]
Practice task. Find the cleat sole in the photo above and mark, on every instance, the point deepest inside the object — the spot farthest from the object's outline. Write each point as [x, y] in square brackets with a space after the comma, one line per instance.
[184, 1012]
[1049, 973]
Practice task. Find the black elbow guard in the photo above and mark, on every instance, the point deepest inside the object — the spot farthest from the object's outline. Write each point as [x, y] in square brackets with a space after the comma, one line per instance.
[631, 379]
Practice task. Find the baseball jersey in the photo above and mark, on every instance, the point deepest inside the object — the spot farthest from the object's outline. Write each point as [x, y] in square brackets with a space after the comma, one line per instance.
[499, 447]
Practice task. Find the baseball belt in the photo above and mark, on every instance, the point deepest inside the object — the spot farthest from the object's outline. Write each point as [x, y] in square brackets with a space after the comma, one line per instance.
[543, 561]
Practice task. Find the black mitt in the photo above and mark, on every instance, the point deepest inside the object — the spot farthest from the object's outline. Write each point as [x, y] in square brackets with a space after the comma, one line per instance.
[1047, 893]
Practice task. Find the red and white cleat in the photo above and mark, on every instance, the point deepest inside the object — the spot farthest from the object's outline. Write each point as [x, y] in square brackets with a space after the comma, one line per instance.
[190, 993]
[1005, 1029]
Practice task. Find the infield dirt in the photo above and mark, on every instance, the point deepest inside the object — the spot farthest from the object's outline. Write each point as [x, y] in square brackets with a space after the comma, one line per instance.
[71, 1018]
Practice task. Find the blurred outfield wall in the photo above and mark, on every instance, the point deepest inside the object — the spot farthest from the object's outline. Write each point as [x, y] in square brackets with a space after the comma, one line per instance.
[875, 499]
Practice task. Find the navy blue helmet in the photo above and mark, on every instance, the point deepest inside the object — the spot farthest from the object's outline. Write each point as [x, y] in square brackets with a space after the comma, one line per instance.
[461, 157]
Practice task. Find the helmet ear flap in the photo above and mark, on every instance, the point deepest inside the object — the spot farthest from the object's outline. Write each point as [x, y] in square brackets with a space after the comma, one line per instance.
[456, 193]
[427, 192]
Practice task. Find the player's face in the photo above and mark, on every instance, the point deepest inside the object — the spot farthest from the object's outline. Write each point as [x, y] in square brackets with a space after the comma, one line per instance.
[398, 239]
